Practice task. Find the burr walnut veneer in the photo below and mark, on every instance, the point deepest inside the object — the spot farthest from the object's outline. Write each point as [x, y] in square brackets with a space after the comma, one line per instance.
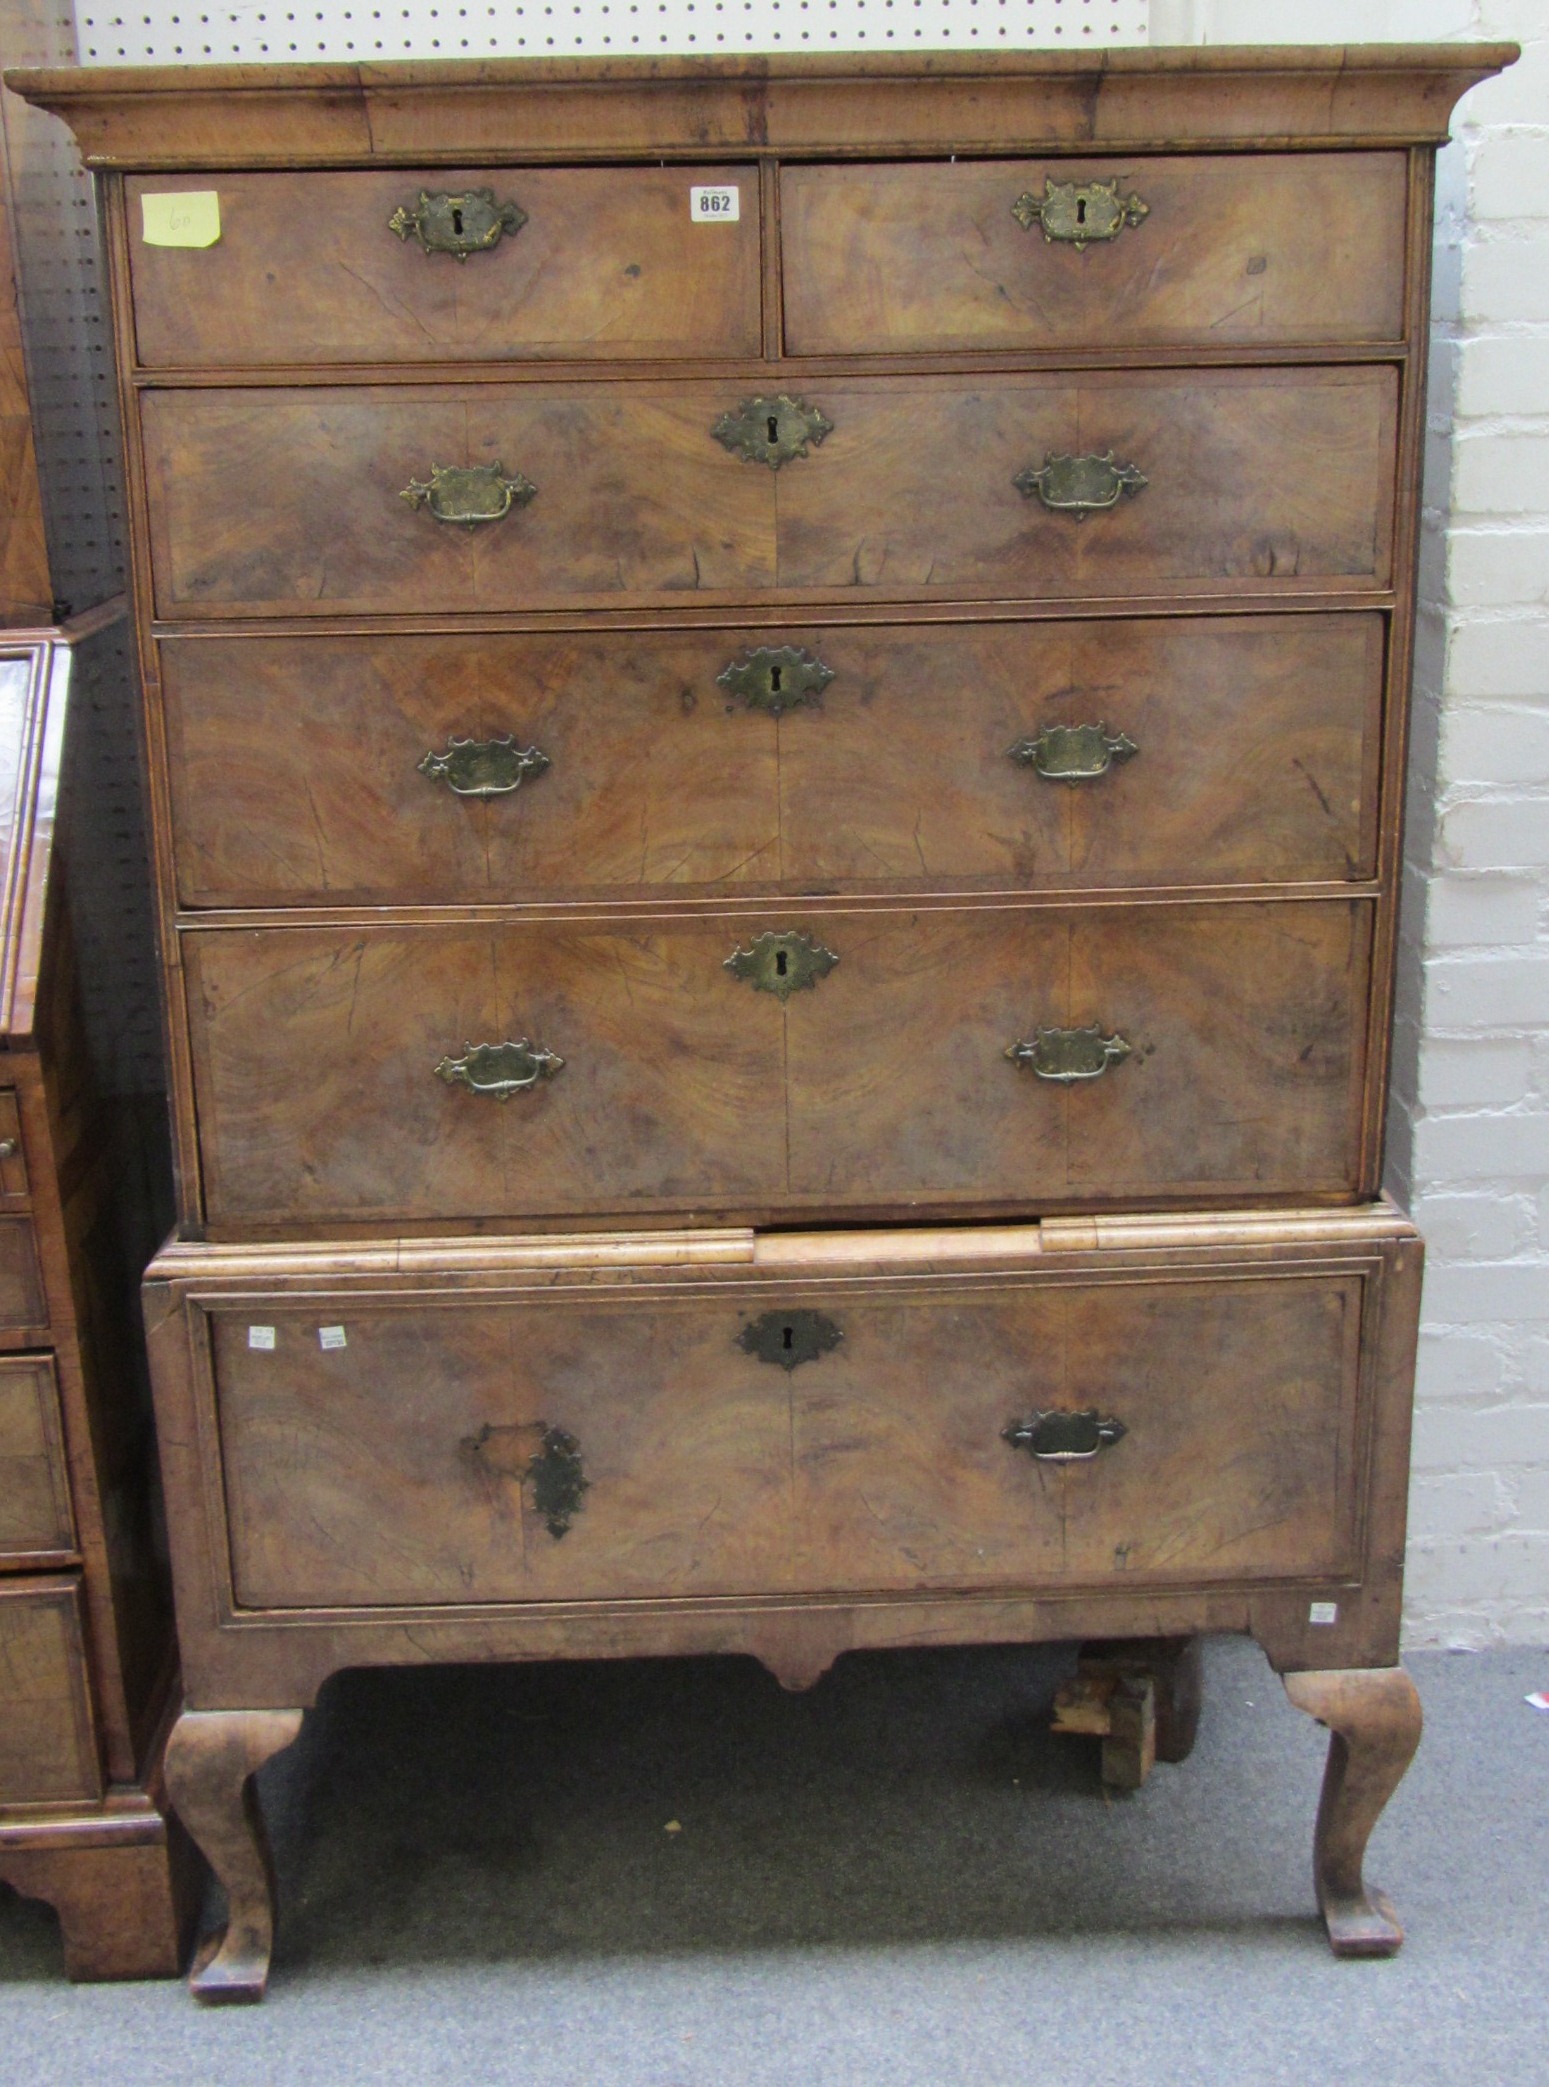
[777, 705]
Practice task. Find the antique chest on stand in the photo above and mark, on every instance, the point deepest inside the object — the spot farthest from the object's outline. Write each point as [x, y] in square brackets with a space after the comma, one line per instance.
[777, 702]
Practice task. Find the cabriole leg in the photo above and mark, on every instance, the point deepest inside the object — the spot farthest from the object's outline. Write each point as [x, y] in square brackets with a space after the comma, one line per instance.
[212, 1758]
[1373, 1718]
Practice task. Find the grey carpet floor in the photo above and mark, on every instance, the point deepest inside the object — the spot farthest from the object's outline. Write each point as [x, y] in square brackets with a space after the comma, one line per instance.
[899, 1880]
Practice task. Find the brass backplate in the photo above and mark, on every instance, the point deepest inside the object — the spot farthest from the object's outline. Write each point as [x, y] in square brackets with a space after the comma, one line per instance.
[500, 1070]
[484, 767]
[1073, 753]
[1080, 213]
[469, 493]
[790, 1338]
[776, 678]
[1064, 1438]
[783, 963]
[1067, 1055]
[1080, 486]
[471, 223]
[772, 430]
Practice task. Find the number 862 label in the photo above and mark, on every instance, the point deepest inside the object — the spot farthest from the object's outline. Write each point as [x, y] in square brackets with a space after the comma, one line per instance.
[714, 206]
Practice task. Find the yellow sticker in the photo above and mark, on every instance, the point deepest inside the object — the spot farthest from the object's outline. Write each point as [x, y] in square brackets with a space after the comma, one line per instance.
[190, 219]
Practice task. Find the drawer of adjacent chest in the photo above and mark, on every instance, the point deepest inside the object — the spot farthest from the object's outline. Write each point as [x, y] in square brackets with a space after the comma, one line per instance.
[813, 1057]
[1019, 254]
[36, 1518]
[1055, 486]
[999, 1432]
[413, 769]
[48, 1747]
[449, 265]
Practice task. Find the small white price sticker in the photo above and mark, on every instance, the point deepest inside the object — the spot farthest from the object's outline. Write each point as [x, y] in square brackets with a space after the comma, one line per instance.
[331, 1337]
[714, 206]
[260, 1336]
[1323, 1612]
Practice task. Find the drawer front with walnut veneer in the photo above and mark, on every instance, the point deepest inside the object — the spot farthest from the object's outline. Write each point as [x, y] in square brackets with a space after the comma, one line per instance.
[661, 763]
[808, 644]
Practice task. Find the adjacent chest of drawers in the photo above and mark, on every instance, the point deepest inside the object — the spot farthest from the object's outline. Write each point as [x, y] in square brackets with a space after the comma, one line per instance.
[777, 721]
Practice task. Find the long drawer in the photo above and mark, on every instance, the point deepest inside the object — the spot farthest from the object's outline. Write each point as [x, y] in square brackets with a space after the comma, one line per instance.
[580, 262]
[1018, 254]
[990, 756]
[863, 1060]
[1104, 484]
[888, 1432]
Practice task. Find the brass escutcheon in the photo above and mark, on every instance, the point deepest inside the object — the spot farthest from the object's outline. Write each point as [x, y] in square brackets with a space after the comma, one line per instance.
[1080, 486]
[500, 1070]
[469, 493]
[1064, 1438]
[484, 767]
[789, 1339]
[782, 963]
[776, 678]
[1079, 213]
[1067, 1055]
[1073, 753]
[457, 225]
[772, 430]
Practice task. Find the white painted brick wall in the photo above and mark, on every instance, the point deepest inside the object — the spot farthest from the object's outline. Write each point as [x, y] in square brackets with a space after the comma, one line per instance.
[1470, 1132]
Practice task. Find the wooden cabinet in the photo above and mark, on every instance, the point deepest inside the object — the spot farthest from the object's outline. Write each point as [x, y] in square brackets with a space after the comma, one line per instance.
[778, 835]
[88, 1674]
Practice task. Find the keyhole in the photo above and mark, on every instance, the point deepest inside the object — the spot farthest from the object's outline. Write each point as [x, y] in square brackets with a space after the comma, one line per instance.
[788, 1341]
[774, 680]
[774, 429]
[1080, 210]
[457, 221]
[782, 964]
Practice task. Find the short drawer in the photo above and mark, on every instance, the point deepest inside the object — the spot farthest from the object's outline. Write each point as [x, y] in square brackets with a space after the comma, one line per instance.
[22, 1302]
[48, 1746]
[1026, 254]
[35, 1511]
[865, 1060]
[13, 1157]
[659, 763]
[581, 262]
[1050, 486]
[756, 1437]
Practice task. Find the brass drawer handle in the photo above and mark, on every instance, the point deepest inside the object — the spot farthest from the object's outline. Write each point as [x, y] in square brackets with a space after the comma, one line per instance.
[1079, 213]
[469, 493]
[1072, 753]
[782, 963]
[1080, 486]
[788, 1339]
[554, 1469]
[772, 430]
[9, 1148]
[500, 1070]
[776, 678]
[1064, 1438]
[471, 223]
[1067, 1055]
[484, 767]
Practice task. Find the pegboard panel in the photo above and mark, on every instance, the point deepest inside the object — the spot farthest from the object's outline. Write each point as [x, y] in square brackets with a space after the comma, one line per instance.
[168, 34]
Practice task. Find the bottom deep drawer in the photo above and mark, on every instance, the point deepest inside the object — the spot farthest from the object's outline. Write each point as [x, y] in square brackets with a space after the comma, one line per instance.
[48, 1748]
[1191, 1419]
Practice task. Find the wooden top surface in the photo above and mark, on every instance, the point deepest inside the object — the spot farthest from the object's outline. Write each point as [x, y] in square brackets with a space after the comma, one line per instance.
[872, 104]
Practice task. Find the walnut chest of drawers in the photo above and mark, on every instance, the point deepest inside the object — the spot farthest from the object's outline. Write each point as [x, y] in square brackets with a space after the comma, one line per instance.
[777, 722]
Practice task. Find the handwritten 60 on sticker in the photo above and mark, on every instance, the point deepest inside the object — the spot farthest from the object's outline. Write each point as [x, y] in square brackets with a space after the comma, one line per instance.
[190, 218]
[714, 206]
